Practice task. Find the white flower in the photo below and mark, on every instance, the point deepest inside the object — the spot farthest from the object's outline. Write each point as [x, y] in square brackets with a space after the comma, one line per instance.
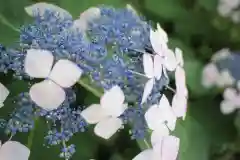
[41, 7]
[160, 118]
[179, 102]
[159, 41]
[231, 101]
[49, 94]
[12, 150]
[105, 115]
[210, 75]
[152, 70]
[4, 92]
[166, 149]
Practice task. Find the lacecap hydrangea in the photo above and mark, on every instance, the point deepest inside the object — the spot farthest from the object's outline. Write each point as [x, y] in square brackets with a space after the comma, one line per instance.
[110, 48]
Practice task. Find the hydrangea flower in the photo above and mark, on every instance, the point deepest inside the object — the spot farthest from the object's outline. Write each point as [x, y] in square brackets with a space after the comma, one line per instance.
[49, 94]
[12, 150]
[110, 46]
[221, 72]
[106, 114]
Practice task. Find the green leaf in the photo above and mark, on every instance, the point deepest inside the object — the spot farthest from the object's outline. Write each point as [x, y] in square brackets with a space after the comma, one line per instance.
[209, 5]
[193, 69]
[168, 9]
[197, 145]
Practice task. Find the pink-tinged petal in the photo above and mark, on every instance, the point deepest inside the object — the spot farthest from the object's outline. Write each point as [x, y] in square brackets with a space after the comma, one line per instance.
[158, 68]
[179, 57]
[210, 75]
[12, 150]
[170, 148]
[147, 90]
[179, 105]
[65, 73]
[144, 155]
[180, 81]
[107, 127]
[170, 61]
[38, 63]
[159, 133]
[158, 43]
[148, 65]
[47, 95]
[112, 101]
[152, 117]
[94, 114]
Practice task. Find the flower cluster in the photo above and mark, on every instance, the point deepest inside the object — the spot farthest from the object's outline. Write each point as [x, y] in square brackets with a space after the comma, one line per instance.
[223, 72]
[111, 47]
[230, 9]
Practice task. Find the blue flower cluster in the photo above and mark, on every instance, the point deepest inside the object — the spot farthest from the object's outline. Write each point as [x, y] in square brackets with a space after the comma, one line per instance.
[107, 53]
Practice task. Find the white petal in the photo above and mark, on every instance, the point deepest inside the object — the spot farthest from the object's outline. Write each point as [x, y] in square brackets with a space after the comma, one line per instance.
[4, 92]
[158, 134]
[144, 155]
[158, 42]
[93, 114]
[229, 93]
[162, 33]
[41, 7]
[148, 65]
[87, 16]
[227, 107]
[167, 149]
[112, 101]
[47, 95]
[210, 75]
[38, 63]
[179, 56]
[107, 127]
[152, 117]
[164, 101]
[157, 67]
[227, 78]
[166, 113]
[65, 73]
[170, 61]
[179, 105]
[180, 81]
[13, 150]
[147, 90]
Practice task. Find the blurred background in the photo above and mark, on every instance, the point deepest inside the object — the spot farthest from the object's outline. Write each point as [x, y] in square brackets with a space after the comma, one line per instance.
[198, 29]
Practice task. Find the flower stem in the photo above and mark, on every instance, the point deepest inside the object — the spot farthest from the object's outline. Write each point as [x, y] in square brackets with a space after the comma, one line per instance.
[7, 23]
[30, 137]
